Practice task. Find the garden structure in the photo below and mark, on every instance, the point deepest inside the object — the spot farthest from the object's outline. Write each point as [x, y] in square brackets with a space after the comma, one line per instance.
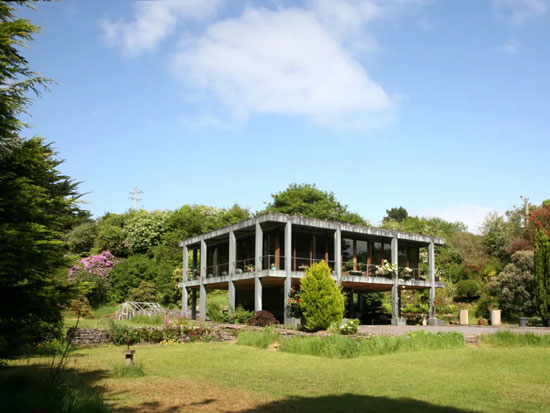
[259, 260]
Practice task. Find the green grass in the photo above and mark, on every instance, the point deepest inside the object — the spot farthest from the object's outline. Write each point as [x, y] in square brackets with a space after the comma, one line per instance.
[144, 320]
[465, 378]
[346, 347]
[260, 339]
[509, 339]
[122, 370]
[421, 374]
[104, 310]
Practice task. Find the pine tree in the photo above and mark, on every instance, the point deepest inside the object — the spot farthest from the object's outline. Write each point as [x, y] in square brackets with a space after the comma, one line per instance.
[321, 301]
[542, 272]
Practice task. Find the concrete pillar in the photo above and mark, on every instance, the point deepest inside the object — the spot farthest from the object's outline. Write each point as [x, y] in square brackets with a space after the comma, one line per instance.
[431, 277]
[184, 269]
[184, 302]
[396, 319]
[232, 259]
[202, 303]
[338, 255]
[258, 268]
[195, 263]
[288, 265]
[194, 303]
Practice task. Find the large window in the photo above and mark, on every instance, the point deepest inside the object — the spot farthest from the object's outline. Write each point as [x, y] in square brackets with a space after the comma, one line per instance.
[274, 249]
[347, 254]
[387, 252]
[402, 259]
[377, 255]
[362, 255]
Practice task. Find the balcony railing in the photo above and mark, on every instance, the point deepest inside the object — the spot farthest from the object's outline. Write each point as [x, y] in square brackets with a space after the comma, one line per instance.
[218, 270]
[273, 262]
[246, 265]
[372, 270]
[303, 263]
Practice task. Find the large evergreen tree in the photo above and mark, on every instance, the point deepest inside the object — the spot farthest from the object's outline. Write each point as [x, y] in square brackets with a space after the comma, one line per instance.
[37, 204]
[542, 272]
[16, 78]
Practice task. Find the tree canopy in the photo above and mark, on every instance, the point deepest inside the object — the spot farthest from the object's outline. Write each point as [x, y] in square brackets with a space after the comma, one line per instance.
[396, 214]
[308, 201]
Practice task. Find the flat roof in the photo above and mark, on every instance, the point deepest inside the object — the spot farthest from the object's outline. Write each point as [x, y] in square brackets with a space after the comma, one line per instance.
[314, 223]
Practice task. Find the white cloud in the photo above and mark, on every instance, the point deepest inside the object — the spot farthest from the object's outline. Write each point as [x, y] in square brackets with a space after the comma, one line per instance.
[281, 62]
[471, 215]
[302, 60]
[520, 11]
[510, 48]
[153, 21]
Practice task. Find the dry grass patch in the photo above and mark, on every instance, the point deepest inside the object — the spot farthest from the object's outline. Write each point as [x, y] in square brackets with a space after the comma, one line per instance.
[161, 394]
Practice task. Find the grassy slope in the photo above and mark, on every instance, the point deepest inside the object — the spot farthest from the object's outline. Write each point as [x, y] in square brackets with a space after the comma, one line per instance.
[479, 379]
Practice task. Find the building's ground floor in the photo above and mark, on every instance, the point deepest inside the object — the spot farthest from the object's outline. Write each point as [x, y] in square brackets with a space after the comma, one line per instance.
[267, 292]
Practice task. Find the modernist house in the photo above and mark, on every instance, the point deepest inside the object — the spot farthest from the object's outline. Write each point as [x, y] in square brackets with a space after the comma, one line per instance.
[259, 259]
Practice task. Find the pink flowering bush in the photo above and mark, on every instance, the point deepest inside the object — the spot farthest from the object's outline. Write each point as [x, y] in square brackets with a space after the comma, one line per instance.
[100, 265]
[93, 274]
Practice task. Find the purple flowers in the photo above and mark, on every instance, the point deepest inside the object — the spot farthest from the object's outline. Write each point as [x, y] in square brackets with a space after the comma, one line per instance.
[100, 265]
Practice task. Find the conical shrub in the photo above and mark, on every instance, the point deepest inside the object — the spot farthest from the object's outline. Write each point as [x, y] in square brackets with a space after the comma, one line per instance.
[321, 301]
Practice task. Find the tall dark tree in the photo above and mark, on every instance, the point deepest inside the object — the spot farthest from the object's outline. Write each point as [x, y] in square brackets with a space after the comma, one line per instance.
[542, 272]
[16, 78]
[37, 204]
[308, 201]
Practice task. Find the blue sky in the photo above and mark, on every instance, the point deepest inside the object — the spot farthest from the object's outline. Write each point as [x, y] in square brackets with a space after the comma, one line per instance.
[439, 106]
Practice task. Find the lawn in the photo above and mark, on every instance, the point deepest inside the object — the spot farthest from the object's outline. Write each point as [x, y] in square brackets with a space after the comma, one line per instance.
[230, 377]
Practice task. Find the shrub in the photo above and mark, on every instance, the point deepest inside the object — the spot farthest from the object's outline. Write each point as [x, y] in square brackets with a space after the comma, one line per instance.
[261, 339]
[146, 291]
[241, 316]
[262, 318]
[122, 334]
[216, 314]
[130, 272]
[321, 301]
[515, 286]
[468, 290]
[81, 306]
[350, 327]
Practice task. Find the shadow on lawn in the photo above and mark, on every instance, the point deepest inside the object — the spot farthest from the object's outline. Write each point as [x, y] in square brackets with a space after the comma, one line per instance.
[352, 403]
[26, 388]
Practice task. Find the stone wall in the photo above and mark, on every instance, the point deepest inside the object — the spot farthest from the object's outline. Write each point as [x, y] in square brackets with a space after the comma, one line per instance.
[221, 333]
[88, 336]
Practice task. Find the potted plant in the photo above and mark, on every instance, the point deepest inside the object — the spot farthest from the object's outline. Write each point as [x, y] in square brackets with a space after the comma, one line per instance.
[347, 267]
[386, 269]
[249, 268]
[406, 272]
